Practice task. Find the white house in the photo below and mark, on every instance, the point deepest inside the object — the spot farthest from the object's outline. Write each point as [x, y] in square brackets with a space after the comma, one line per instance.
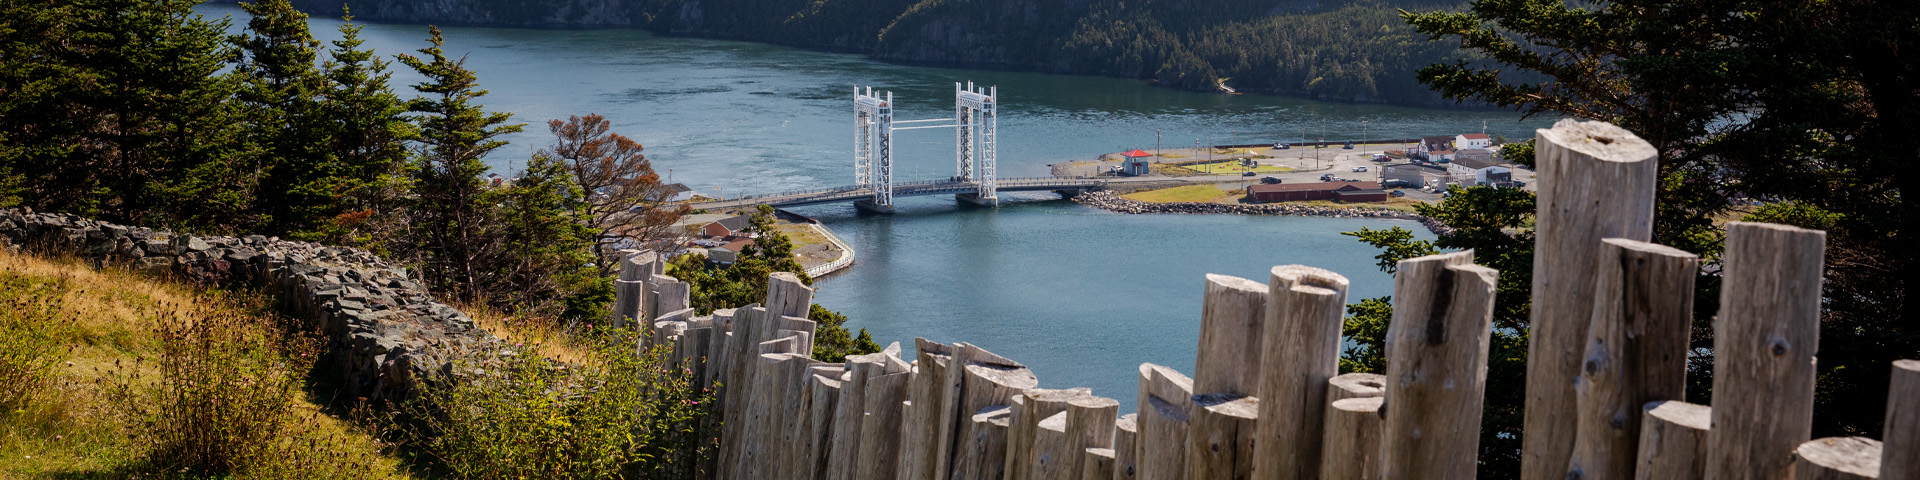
[680, 192]
[1483, 171]
[1472, 141]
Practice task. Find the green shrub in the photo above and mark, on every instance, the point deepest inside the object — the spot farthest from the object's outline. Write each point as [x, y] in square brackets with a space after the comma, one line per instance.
[31, 339]
[612, 414]
[222, 394]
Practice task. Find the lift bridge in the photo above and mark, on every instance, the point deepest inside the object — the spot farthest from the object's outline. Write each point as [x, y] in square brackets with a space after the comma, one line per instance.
[974, 124]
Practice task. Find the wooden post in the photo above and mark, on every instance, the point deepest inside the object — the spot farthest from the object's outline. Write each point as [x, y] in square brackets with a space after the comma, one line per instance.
[1097, 464]
[1166, 403]
[1090, 424]
[1901, 432]
[1437, 367]
[1355, 385]
[988, 381]
[983, 451]
[802, 327]
[671, 294]
[787, 297]
[1596, 181]
[1350, 446]
[736, 389]
[848, 415]
[626, 301]
[1673, 441]
[880, 446]
[1125, 431]
[1636, 351]
[757, 446]
[1230, 323]
[1053, 453]
[1840, 458]
[1220, 436]
[790, 425]
[1765, 341]
[717, 350]
[1306, 307]
[1028, 409]
[931, 395]
[638, 266]
[823, 392]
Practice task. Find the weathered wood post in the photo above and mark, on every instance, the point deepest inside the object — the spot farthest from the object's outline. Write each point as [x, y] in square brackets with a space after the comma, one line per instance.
[1097, 464]
[1765, 341]
[1436, 366]
[1053, 455]
[1028, 409]
[759, 414]
[717, 349]
[1220, 436]
[1090, 424]
[1300, 351]
[1673, 441]
[1636, 351]
[1125, 431]
[1350, 446]
[848, 414]
[1596, 181]
[1901, 432]
[626, 302]
[983, 451]
[880, 446]
[1166, 403]
[931, 395]
[1355, 385]
[815, 445]
[988, 381]
[1842, 458]
[1231, 317]
[736, 390]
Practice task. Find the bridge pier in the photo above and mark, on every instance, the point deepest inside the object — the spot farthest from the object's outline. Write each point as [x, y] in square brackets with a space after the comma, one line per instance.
[870, 206]
[976, 200]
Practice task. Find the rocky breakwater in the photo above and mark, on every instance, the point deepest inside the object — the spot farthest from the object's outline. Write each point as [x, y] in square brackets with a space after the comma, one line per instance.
[385, 333]
[1107, 200]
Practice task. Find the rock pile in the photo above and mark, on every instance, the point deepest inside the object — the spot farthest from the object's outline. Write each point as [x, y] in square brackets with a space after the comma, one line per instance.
[384, 331]
[1110, 201]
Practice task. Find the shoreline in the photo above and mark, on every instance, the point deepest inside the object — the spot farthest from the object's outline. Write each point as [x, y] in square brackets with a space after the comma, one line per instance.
[1112, 202]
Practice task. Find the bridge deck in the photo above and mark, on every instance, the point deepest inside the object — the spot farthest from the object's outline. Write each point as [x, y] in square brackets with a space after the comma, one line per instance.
[909, 189]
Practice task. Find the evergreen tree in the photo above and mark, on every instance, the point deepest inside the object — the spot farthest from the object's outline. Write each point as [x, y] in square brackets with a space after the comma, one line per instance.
[281, 90]
[745, 282]
[365, 143]
[452, 219]
[548, 246]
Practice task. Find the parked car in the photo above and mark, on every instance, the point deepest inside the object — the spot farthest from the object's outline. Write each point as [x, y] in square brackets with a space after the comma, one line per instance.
[1280, 146]
[1326, 177]
[1270, 180]
[1349, 146]
[1246, 174]
[1359, 169]
[1397, 193]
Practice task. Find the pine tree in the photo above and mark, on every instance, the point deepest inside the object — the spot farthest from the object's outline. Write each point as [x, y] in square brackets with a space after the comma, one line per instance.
[365, 142]
[452, 218]
[548, 245]
[286, 128]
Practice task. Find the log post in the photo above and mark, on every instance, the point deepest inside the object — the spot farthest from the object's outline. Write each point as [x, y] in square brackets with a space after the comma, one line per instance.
[1673, 441]
[1901, 433]
[787, 296]
[1636, 351]
[1090, 424]
[983, 451]
[1220, 436]
[1437, 366]
[1028, 409]
[1306, 307]
[1125, 431]
[1097, 464]
[1231, 317]
[759, 417]
[717, 349]
[1765, 341]
[988, 381]
[848, 414]
[1053, 453]
[1356, 385]
[881, 444]
[1166, 403]
[626, 301]
[930, 395]
[671, 294]
[1351, 442]
[736, 389]
[823, 391]
[1841, 458]
[1596, 181]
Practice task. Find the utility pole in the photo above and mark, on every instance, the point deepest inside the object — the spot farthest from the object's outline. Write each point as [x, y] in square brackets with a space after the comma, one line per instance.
[1156, 144]
[1364, 135]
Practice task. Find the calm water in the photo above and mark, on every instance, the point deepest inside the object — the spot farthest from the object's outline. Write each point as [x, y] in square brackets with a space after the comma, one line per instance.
[1080, 295]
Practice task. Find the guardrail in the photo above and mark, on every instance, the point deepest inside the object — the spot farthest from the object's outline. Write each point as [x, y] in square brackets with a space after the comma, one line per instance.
[846, 253]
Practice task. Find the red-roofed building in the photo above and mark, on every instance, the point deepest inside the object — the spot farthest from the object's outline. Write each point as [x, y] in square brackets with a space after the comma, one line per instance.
[1296, 192]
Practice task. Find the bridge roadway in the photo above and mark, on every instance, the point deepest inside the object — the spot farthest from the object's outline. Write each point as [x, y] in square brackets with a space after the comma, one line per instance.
[906, 189]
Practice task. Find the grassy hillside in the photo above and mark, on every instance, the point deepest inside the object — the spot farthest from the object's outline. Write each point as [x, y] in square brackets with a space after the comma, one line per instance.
[85, 355]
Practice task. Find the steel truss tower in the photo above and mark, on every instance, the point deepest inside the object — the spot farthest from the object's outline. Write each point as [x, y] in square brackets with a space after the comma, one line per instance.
[974, 123]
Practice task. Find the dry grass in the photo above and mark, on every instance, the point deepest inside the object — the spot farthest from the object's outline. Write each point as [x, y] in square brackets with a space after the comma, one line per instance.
[548, 336]
[78, 428]
[1189, 193]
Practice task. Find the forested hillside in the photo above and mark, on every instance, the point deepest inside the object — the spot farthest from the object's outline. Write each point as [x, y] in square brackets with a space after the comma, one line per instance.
[1355, 50]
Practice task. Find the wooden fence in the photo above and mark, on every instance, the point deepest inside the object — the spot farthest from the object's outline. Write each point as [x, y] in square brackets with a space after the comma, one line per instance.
[1605, 381]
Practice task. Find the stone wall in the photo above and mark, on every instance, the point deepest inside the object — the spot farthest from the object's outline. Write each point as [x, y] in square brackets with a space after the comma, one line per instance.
[384, 331]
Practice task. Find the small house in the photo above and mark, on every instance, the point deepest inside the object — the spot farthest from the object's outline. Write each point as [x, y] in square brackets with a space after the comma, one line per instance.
[1296, 192]
[1472, 141]
[1481, 169]
[678, 192]
[727, 227]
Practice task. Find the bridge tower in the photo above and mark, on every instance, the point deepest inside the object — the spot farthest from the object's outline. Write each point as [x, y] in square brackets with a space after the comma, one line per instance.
[873, 148]
[975, 119]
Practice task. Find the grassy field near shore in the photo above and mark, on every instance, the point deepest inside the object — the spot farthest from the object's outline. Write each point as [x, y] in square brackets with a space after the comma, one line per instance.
[1188, 193]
